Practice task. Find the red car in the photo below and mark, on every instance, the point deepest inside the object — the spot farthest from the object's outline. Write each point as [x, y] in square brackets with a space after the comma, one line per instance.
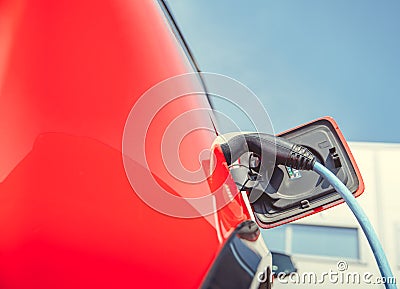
[70, 74]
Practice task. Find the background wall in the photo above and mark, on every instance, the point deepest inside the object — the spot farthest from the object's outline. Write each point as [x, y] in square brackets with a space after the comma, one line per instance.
[317, 243]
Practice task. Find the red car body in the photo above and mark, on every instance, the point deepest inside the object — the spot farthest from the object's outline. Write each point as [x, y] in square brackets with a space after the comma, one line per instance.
[70, 73]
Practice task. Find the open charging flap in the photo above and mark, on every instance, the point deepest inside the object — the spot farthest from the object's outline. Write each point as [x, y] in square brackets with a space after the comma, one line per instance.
[293, 194]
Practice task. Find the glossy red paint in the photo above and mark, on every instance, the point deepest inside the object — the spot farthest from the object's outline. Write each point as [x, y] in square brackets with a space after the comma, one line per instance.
[70, 72]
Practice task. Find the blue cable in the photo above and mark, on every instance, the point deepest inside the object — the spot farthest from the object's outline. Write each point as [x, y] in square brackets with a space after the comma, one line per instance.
[363, 220]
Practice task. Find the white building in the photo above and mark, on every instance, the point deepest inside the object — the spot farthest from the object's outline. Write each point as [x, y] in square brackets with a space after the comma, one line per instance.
[317, 243]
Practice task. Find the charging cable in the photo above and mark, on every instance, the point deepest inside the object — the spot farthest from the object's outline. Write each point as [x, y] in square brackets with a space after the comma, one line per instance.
[363, 220]
[298, 157]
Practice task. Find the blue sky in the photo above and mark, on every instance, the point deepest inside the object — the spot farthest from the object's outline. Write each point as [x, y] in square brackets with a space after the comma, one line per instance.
[306, 59]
